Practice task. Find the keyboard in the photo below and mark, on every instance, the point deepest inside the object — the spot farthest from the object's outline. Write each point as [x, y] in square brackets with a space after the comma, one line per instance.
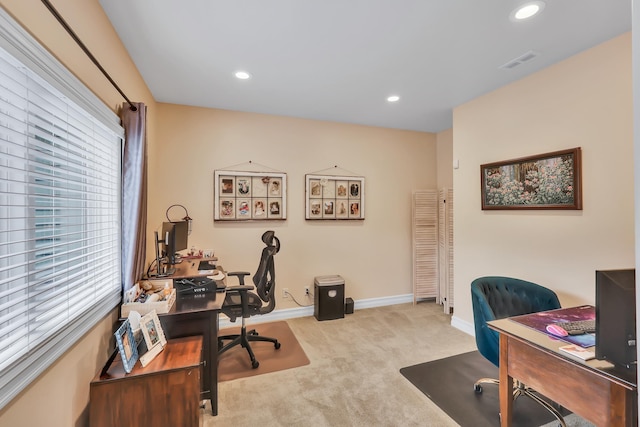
[578, 327]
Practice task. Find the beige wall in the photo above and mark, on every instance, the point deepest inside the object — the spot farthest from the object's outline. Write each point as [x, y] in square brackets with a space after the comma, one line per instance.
[373, 256]
[393, 163]
[59, 397]
[444, 143]
[585, 102]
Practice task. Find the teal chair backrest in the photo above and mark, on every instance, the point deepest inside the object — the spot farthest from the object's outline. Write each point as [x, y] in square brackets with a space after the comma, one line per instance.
[497, 297]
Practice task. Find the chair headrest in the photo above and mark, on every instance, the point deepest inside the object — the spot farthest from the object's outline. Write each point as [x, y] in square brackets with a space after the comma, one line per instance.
[268, 237]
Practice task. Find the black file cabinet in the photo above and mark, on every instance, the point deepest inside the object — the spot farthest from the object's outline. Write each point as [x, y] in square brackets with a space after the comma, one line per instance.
[328, 295]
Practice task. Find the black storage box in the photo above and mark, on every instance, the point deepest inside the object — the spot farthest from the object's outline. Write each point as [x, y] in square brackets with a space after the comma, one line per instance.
[348, 306]
[196, 285]
[328, 297]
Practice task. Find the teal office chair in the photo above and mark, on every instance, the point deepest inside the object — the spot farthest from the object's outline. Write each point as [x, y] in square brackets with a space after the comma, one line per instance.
[241, 302]
[497, 297]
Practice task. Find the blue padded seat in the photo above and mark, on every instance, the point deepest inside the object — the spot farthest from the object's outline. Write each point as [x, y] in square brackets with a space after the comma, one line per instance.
[497, 297]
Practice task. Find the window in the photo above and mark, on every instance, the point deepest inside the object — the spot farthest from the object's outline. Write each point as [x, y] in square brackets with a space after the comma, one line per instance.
[60, 174]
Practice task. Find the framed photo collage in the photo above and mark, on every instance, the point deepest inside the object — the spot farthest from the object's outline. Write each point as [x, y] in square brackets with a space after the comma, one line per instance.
[259, 196]
[334, 197]
[242, 196]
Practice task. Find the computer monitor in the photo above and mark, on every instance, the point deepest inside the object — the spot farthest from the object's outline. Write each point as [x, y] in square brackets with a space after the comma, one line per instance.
[175, 236]
[616, 316]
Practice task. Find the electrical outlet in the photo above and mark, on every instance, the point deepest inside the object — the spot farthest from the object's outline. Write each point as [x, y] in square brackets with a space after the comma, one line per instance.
[285, 293]
[306, 290]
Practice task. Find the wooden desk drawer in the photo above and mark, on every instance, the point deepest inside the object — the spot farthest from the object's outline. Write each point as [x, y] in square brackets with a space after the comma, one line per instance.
[164, 393]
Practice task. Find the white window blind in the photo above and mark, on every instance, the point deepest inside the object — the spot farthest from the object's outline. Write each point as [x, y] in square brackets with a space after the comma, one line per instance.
[60, 172]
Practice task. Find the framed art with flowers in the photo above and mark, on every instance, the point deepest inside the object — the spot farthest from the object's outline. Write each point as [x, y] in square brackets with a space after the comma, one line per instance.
[544, 181]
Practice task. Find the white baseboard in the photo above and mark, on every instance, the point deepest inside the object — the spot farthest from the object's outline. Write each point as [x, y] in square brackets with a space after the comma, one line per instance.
[466, 327]
[291, 313]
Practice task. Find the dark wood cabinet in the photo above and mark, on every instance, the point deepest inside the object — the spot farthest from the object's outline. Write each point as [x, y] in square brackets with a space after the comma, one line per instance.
[164, 393]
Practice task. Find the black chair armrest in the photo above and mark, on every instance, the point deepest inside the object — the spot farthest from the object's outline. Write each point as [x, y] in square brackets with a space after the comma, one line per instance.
[239, 288]
[239, 274]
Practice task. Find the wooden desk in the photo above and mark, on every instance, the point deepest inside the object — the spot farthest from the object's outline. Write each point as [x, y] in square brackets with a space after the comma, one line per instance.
[166, 392]
[189, 268]
[596, 390]
[197, 314]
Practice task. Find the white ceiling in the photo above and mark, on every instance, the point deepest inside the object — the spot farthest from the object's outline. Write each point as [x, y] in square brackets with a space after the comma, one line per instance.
[338, 60]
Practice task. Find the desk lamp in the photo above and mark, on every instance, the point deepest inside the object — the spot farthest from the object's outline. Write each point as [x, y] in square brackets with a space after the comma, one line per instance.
[185, 218]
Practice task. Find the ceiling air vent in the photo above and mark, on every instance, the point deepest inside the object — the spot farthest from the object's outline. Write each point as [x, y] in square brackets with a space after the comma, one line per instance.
[525, 57]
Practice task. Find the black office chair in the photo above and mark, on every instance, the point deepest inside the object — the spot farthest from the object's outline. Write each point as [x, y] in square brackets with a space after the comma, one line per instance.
[240, 302]
[498, 297]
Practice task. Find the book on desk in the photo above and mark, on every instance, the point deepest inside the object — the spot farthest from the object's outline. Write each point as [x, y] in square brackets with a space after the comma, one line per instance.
[578, 351]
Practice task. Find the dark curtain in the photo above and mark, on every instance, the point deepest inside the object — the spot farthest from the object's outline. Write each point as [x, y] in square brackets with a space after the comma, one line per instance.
[134, 193]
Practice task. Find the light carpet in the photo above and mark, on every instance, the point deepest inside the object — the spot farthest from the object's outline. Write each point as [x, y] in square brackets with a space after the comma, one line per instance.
[353, 379]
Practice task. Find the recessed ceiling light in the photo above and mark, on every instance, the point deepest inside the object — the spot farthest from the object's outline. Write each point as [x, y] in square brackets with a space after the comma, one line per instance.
[527, 10]
[242, 75]
[393, 98]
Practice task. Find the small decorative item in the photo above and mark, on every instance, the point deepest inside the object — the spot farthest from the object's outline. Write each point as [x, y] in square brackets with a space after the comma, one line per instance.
[242, 196]
[545, 181]
[153, 336]
[208, 253]
[334, 197]
[127, 345]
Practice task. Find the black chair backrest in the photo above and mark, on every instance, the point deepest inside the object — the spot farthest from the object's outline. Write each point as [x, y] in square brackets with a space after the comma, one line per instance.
[265, 277]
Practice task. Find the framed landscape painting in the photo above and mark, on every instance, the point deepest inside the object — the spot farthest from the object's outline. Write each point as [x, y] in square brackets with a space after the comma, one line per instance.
[544, 181]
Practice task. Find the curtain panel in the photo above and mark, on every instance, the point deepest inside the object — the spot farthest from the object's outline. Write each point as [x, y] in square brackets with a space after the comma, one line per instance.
[134, 193]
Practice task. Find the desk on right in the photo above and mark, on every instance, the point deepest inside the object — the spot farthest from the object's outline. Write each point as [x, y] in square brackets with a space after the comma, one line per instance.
[596, 390]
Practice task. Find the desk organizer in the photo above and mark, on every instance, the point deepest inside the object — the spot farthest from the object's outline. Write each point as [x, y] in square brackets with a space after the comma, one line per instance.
[145, 307]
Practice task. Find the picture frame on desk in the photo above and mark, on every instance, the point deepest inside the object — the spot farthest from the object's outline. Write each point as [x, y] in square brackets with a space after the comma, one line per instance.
[126, 346]
[249, 196]
[153, 337]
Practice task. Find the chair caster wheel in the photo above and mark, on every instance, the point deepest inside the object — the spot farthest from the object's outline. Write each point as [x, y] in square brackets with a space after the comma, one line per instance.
[255, 364]
[277, 345]
[477, 388]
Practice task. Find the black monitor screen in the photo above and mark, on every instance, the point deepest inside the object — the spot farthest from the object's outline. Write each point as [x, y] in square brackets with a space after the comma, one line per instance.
[181, 230]
[175, 239]
[616, 316]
